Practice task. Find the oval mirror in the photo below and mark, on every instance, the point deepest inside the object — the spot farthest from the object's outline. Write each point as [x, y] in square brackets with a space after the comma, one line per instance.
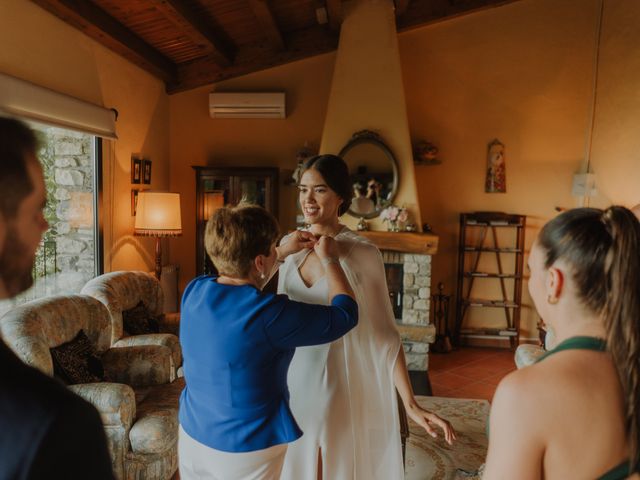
[373, 173]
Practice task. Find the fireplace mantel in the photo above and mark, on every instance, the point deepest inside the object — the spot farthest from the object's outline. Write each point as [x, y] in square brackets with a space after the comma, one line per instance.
[405, 242]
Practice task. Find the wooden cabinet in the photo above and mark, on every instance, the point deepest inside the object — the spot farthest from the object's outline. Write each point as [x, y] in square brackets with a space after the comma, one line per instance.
[490, 266]
[216, 187]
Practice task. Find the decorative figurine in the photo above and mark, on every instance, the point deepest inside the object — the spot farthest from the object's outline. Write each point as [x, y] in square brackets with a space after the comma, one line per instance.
[426, 153]
[362, 225]
[301, 156]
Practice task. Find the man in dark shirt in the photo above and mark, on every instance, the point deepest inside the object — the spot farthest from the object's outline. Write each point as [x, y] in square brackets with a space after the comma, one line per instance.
[46, 431]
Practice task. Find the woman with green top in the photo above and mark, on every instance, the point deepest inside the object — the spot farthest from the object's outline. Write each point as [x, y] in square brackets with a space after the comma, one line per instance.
[574, 414]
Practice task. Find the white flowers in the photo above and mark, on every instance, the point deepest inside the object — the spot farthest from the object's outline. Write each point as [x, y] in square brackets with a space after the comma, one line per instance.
[394, 215]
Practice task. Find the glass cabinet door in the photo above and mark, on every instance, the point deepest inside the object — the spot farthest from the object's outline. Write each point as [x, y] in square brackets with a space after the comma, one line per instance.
[217, 187]
[251, 190]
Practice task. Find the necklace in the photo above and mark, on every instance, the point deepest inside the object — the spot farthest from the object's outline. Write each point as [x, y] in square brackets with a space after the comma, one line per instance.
[330, 232]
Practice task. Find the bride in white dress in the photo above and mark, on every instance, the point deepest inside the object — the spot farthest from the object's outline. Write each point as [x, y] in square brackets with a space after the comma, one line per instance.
[343, 393]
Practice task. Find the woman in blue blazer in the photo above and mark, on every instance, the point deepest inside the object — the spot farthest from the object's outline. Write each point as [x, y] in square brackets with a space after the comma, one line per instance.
[238, 342]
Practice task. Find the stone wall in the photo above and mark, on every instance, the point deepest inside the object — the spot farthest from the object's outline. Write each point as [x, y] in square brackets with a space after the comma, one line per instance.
[65, 260]
[68, 159]
[415, 328]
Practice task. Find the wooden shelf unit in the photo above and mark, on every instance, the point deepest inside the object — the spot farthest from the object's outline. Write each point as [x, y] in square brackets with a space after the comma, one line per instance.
[479, 238]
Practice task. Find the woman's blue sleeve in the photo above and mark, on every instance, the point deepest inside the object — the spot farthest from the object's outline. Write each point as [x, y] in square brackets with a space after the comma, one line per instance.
[290, 324]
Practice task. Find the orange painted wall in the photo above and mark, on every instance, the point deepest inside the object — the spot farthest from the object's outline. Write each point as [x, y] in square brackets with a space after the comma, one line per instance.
[40, 48]
[521, 73]
[198, 139]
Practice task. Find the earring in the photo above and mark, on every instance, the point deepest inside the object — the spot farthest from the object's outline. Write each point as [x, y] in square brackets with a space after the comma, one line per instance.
[551, 299]
[262, 276]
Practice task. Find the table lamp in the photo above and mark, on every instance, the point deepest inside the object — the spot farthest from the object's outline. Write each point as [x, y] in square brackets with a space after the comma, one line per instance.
[158, 215]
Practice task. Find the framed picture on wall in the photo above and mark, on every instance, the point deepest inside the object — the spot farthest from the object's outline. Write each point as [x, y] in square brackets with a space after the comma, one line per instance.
[136, 169]
[146, 171]
[496, 178]
[134, 201]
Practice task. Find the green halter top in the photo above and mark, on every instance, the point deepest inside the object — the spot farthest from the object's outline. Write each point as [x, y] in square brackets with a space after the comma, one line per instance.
[591, 343]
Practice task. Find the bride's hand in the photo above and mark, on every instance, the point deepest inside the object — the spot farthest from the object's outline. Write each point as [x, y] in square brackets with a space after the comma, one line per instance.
[429, 421]
[295, 242]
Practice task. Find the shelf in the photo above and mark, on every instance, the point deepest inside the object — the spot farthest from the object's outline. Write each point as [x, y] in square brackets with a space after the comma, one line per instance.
[482, 302]
[471, 223]
[480, 256]
[499, 250]
[491, 275]
[405, 242]
[489, 332]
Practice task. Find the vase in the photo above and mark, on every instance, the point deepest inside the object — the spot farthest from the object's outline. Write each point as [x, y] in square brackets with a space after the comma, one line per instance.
[393, 226]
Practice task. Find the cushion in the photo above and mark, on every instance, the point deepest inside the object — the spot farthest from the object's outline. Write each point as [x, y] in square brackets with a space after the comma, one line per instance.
[76, 361]
[527, 354]
[156, 427]
[138, 321]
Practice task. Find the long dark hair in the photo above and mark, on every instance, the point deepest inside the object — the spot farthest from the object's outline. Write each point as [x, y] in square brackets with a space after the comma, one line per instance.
[335, 172]
[602, 249]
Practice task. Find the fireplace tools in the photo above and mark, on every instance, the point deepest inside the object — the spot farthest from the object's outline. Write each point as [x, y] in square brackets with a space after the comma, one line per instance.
[441, 320]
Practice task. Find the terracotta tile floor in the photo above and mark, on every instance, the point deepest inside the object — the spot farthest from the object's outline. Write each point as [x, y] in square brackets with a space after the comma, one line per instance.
[469, 372]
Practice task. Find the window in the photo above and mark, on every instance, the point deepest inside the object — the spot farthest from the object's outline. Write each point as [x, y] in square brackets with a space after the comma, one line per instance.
[71, 251]
[69, 254]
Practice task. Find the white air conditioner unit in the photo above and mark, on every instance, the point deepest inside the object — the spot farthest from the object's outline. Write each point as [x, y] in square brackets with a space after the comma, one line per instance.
[246, 105]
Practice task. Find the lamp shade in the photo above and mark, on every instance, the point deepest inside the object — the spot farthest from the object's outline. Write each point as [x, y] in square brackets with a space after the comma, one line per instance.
[158, 215]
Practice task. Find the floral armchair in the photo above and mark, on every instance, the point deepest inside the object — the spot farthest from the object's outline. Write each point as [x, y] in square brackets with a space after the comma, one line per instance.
[139, 411]
[527, 354]
[124, 290]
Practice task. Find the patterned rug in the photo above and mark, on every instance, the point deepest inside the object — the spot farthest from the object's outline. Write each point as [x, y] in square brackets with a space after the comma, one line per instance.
[431, 459]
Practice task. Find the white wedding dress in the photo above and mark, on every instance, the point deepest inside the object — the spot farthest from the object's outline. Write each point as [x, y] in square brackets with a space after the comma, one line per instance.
[342, 393]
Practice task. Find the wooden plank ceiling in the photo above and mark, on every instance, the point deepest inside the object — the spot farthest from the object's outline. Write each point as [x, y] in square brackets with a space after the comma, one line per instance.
[190, 43]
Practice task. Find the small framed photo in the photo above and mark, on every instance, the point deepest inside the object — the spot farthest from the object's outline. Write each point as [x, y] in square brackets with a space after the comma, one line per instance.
[146, 171]
[136, 169]
[134, 201]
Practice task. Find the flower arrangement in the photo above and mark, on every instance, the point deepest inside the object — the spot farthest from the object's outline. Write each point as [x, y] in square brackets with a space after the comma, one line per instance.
[394, 215]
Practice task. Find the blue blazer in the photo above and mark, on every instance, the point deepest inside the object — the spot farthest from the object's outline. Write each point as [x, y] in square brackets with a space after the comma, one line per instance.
[237, 344]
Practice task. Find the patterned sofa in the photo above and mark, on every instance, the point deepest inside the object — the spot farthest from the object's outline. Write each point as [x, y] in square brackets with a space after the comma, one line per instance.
[124, 290]
[139, 412]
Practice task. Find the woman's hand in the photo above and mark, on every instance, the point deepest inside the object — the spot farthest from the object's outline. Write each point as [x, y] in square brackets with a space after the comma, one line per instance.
[295, 242]
[327, 249]
[429, 421]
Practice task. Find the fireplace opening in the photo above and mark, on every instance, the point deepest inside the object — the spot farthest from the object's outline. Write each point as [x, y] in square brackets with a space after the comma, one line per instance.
[395, 273]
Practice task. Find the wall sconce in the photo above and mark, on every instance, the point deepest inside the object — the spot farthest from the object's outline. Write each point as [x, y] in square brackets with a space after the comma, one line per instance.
[158, 216]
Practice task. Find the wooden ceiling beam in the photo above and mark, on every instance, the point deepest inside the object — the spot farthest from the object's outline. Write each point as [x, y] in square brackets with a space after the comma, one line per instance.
[105, 29]
[267, 21]
[401, 7]
[419, 14]
[334, 12]
[301, 44]
[197, 29]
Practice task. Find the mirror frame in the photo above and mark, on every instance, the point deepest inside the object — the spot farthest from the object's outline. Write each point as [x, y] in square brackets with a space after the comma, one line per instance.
[368, 136]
